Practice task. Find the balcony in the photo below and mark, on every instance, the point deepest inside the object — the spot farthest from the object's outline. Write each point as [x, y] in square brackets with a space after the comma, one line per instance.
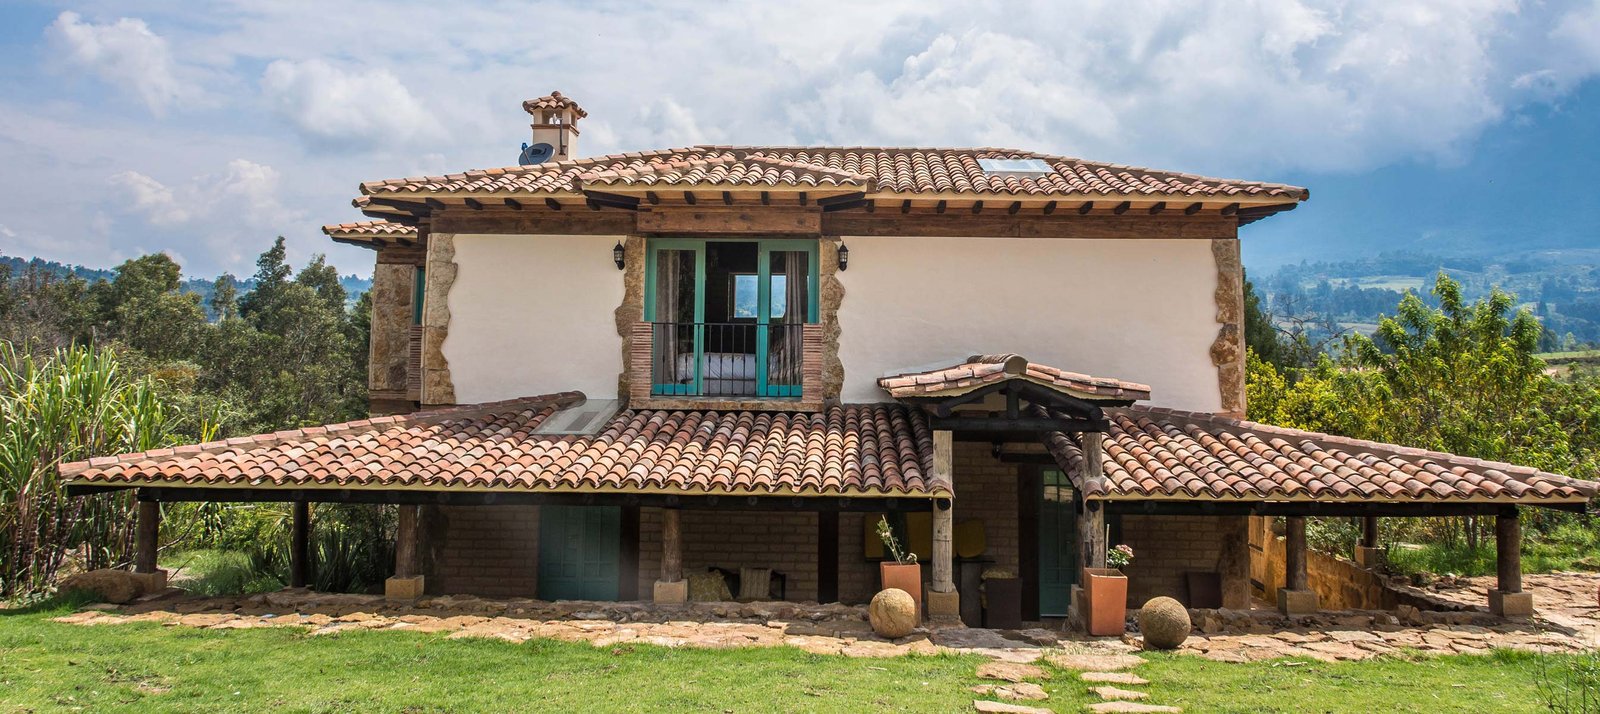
[692, 364]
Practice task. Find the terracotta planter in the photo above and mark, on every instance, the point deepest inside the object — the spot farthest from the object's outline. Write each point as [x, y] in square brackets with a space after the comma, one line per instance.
[907, 577]
[1105, 591]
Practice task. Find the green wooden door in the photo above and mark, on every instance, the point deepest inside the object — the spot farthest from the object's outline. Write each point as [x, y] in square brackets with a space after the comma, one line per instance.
[579, 549]
[1058, 544]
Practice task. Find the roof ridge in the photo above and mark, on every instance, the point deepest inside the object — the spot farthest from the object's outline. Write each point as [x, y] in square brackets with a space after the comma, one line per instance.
[342, 429]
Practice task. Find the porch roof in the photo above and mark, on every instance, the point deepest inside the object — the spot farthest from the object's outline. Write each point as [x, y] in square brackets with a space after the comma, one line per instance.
[877, 450]
[978, 371]
[1163, 454]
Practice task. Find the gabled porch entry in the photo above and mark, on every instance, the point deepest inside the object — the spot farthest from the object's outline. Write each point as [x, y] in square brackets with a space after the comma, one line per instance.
[726, 315]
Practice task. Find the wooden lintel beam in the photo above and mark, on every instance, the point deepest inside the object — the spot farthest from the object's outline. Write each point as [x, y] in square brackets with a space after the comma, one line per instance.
[1085, 208]
[473, 204]
[1049, 208]
[1122, 208]
[514, 204]
[1193, 208]
[1158, 208]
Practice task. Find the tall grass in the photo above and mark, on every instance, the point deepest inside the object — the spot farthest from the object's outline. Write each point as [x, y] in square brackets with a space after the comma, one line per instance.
[68, 406]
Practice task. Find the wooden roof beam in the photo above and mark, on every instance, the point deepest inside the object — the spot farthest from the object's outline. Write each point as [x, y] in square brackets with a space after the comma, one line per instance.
[553, 204]
[1193, 208]
[1122, 208]
[515, 205]
[1085, 208]
[1158, 208]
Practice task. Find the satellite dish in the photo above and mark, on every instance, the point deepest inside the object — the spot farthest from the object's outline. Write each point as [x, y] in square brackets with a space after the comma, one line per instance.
[536, 154]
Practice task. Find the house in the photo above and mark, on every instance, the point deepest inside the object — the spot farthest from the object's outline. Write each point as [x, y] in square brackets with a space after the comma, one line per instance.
[594, 376]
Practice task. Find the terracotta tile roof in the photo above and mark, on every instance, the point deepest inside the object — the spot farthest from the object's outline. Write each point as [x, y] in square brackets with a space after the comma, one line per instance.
[1164, 454]
[367, 229]
[884, 170]
[553, 100]
[723, 170]
[862, 450]
[979, 370]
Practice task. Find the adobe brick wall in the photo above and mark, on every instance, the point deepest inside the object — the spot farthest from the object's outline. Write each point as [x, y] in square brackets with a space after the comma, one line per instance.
[986, 489]
[491, 551]
[783, 541]
[1166, 547]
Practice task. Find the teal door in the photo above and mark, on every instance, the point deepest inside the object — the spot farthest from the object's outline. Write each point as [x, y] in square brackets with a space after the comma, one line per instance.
[579, 549]
[1058, 544]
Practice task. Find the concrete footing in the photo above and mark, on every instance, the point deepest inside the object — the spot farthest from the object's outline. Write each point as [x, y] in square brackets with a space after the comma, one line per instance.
[398, 588]
[1369, 557]
[943, 605]
[1297, 602]
[672, 593]
[1510, 604]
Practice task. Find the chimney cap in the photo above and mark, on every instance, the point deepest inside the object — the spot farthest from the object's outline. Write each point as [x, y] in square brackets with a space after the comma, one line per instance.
[553, 100]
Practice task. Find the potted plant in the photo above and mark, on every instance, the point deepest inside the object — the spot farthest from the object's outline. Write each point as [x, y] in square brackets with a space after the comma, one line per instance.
[1106, 592]
[903, 571]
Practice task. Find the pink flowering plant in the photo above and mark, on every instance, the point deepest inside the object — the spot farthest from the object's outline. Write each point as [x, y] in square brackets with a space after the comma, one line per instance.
[1120, 556]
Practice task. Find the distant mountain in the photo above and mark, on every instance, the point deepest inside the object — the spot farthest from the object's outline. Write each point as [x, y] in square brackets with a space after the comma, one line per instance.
[354, 286]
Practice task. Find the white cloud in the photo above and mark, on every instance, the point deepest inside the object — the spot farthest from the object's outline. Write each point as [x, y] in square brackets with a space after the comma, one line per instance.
[334, 106]
[227, 211]
[124, 54]
[152, 198]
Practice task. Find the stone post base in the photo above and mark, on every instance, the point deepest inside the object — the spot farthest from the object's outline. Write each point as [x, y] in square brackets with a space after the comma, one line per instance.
[398, 588]
[1510, 604]
[1076, 610]
[672, 593]
[1297, 602]
[944, 606]
[1369, 557]
[153, 583]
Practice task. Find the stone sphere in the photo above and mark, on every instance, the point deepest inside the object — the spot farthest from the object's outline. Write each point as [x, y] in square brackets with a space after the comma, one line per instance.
[893, 613]
[1164, 623]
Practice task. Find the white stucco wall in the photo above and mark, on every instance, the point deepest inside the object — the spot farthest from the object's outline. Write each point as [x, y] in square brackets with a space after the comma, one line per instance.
[534, 314]
[1134, 309]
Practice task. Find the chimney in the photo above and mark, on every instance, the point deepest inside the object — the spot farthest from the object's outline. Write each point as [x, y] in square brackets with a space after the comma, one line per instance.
[555, 129]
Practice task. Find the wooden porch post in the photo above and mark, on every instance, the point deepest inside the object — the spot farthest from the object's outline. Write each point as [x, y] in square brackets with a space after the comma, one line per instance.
[300, 545]
[1294, 553]
[1367, 552]
[1092, 522]
[407, 583]
[1508, 599]
[671, 587]
[147, 537]
[1296, 596]
[943, 600]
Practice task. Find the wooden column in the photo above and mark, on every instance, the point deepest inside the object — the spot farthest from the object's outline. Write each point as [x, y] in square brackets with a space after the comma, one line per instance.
[406, 551]
[147, 538]
[671, 546]
[827, 556]
[1092, 522]
[1294, 554]
[300, 545]
[1508, 551]
[1369, 531]
[943, 517]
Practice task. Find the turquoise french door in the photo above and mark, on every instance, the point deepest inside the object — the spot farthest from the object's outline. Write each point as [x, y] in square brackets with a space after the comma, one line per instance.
[1058, 549]
[579, 552]
[675, 303]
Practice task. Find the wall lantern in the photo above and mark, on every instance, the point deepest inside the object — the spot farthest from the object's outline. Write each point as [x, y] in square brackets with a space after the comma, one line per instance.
[616, 256]
[844, 257]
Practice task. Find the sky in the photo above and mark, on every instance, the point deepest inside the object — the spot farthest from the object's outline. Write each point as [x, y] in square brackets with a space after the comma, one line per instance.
[204, 129]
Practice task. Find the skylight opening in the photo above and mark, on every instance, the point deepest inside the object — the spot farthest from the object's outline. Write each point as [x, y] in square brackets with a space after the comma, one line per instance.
[1015, 167]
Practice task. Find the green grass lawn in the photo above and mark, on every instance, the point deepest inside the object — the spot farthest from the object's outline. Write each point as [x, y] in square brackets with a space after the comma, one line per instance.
[47, 666]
